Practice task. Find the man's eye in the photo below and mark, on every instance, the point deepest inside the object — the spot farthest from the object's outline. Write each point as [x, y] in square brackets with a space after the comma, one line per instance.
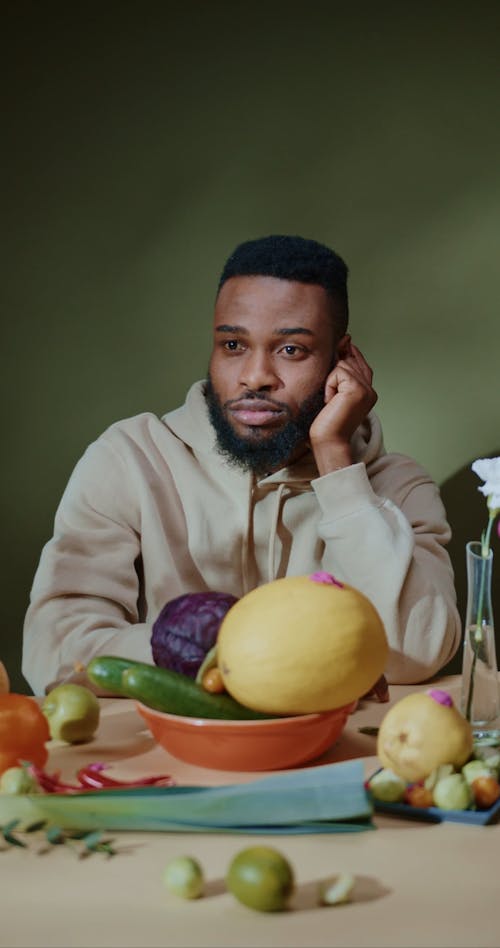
[293, 350]
[231, 344]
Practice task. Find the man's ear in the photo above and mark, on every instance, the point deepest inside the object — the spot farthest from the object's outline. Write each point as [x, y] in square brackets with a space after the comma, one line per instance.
[343, 347]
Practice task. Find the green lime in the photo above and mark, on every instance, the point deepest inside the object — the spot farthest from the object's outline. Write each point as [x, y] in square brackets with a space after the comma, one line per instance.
[261, 878]
[184, 877]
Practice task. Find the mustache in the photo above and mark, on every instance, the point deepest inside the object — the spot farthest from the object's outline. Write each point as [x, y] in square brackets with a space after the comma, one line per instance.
[259, 397]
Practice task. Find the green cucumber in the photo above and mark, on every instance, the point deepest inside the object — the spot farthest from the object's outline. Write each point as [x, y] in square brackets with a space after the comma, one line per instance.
[105, 671]
[166, 690]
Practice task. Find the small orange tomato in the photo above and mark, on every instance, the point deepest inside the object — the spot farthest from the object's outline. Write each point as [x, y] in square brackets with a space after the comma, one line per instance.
[212, 681]
[486, 791]
[24, 729]
[418, 795]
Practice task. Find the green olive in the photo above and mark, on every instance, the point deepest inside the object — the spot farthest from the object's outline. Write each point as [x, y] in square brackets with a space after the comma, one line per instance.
[184, 877]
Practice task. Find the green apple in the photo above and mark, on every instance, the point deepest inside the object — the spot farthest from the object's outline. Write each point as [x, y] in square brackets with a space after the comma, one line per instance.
[72, 712]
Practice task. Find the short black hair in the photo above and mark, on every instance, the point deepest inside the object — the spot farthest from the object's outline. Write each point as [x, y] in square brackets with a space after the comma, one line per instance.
[293, 258]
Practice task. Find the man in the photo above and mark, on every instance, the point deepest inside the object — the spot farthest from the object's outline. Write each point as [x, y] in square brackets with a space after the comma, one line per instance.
[274, 466]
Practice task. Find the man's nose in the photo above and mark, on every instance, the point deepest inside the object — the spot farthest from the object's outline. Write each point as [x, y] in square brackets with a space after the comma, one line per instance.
[258, 371]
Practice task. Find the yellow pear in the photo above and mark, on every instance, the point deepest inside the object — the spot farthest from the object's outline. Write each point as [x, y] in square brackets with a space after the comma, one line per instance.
[422, 731]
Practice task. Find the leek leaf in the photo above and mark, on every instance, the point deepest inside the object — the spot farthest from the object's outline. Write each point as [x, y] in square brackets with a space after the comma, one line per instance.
[324, 799]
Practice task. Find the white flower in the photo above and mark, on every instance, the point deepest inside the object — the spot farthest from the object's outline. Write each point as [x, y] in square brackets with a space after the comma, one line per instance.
[488, 469]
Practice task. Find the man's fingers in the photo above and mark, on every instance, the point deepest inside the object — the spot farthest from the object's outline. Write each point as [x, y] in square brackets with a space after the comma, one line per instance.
[357, 358]
[348, 370]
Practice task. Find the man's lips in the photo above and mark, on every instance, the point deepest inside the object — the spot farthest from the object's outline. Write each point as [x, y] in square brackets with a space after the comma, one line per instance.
[253, 412]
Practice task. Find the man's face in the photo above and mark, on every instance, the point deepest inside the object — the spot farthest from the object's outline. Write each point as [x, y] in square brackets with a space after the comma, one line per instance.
[274, 345]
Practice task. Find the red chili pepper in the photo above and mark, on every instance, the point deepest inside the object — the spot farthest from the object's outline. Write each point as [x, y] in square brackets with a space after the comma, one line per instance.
[51, 783]
[91, 779]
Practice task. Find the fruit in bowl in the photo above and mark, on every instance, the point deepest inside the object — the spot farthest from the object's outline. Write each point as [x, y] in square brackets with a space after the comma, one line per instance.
[215, 730]
[301, 644]
[294, 656]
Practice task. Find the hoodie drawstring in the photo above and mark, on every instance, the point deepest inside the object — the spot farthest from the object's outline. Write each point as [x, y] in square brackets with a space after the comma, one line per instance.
[291, 487]
[273, 531]
[245, 552]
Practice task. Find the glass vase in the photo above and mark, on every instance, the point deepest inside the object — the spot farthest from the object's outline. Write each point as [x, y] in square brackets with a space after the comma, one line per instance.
[480, 694]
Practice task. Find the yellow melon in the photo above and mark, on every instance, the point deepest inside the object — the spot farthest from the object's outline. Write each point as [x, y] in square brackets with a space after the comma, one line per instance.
[301, 644]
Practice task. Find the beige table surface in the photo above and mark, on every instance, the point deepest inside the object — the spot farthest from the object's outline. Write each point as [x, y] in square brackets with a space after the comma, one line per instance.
[417, 884]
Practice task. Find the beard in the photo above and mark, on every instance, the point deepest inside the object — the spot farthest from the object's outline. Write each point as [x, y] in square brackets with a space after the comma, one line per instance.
[262, 453]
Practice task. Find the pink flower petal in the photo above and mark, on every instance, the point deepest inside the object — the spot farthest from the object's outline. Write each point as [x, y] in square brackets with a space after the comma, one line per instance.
[442, 697]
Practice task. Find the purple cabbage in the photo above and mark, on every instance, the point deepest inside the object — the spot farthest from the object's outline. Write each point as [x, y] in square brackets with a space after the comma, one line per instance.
[186, 629]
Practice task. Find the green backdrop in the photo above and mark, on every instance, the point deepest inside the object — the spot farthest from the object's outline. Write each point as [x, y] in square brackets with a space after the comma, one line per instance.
[142, 141]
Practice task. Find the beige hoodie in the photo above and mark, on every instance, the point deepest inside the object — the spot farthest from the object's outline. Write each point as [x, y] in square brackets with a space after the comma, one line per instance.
[152, 511]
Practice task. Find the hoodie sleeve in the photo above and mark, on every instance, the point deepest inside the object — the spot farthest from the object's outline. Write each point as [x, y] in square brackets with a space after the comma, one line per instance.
[385, 533]
[84, 598]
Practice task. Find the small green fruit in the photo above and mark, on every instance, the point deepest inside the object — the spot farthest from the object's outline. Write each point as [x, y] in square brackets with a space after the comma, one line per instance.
[72, 712]
[444, 770]
[261, 878]
[17, 780]
[452, 793]
[387, 786]
[475, 769]
[490, 758]
[493, 762]
[184, 877]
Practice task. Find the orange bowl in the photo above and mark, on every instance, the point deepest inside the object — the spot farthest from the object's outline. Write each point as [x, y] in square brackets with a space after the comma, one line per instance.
[270, 744]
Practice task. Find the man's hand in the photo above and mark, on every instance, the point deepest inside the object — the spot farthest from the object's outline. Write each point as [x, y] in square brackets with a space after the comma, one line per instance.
[349, 396]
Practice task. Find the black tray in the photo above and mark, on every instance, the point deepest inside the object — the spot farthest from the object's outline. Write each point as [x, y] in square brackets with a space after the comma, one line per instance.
[433, 814]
